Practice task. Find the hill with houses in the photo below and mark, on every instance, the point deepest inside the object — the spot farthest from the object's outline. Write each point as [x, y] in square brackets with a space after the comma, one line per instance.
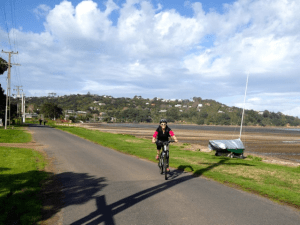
[89, 107]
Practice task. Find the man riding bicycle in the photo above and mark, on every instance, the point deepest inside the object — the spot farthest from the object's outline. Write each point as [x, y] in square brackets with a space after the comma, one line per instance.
[162, 133]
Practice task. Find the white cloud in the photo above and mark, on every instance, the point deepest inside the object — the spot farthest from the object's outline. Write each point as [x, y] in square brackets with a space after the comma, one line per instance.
[155, 51]
[41, 11]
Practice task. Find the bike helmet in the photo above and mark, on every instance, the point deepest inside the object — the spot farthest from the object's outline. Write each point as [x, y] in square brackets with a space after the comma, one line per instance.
[163, 121]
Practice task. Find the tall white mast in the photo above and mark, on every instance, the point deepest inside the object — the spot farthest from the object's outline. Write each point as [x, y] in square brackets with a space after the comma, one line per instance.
[244, 106]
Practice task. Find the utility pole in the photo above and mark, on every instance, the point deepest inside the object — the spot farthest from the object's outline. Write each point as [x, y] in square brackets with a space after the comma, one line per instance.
[18, 96]
[53, 94]
[18, 91]
[23, 107]
[8, 85]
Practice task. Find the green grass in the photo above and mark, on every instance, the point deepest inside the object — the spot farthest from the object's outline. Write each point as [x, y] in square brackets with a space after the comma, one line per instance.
[36, 121]
[16, 135]
[20, 184]
[279, 183]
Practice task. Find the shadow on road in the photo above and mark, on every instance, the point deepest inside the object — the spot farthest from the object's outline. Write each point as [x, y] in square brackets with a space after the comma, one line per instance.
[105, 213]
[65, 189]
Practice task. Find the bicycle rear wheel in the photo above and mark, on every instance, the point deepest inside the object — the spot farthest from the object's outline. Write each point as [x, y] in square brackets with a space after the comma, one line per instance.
[165, 167]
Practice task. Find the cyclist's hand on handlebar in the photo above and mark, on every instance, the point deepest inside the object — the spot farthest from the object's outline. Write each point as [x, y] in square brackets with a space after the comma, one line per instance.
[175, 139]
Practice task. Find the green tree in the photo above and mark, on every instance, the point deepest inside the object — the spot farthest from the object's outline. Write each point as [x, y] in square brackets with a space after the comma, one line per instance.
[2, 103]
[266, 113]
[51, 110]
[173, 114]
[3, 66]
[203, 114]
[72, 118]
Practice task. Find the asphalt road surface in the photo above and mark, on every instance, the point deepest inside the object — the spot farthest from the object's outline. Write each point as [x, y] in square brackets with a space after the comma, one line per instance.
[103, 186]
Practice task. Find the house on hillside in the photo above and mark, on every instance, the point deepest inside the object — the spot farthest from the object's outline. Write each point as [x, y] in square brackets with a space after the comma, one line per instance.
[162, 111]
[31, 115]
[82, 113]
[178, 106]
[69, 111]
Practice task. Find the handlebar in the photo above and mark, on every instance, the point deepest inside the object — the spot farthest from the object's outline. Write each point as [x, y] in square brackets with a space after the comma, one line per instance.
[164, 141]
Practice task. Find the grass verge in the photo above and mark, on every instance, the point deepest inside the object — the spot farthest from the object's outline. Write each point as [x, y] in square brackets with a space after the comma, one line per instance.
[279, 183]
[20, 185]
[16, 135]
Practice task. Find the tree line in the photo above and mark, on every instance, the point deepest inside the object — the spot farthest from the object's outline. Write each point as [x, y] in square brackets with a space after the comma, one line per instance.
[137, 109]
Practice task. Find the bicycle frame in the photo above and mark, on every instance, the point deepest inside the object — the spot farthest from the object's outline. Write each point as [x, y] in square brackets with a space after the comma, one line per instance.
[164, 158]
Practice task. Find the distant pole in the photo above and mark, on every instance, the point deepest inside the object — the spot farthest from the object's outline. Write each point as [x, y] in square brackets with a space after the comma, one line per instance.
[23, 107]
[24, 110]
[18, 91]
[8, 92]
[53, 94]
[244, 106]
[5, 122]
[18, 96]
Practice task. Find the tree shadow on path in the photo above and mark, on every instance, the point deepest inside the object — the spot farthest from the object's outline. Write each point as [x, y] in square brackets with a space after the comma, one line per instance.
[66, 189]
[105, 213]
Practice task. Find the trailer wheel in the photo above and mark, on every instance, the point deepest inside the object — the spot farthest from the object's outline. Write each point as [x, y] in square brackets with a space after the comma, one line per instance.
[216, 154]
[231, 155]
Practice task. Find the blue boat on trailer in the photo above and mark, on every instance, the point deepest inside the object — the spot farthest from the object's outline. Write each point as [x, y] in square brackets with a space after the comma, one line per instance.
[230, 148]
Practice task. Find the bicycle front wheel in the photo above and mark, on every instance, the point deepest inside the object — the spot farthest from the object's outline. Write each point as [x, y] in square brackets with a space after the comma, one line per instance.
[165, 167]
[161, 164]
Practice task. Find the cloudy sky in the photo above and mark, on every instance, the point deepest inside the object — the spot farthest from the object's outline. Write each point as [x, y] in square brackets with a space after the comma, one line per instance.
[157, 48]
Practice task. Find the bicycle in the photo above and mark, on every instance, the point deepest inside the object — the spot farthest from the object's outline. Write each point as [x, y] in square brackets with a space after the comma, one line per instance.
[164, 158]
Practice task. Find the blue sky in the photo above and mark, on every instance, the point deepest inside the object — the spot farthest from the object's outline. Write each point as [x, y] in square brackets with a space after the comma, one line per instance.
[159, 48]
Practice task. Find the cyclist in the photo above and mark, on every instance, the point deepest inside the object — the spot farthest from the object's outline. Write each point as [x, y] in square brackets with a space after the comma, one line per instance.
[162, 133]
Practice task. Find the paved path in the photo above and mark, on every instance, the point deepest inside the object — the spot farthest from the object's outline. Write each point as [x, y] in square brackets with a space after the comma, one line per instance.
[103, 186]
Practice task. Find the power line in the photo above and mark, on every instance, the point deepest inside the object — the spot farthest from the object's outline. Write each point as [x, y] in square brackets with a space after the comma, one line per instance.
[14, 38]
[7, 27]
